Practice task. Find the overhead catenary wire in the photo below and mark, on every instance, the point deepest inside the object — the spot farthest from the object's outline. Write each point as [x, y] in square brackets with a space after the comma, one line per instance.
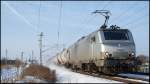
[39, 14]
[59, 25]
[91, 18]
[101, 9]
[107, 4]
[139, 24]
[134, 21]
[138, 13]
[13, 10]
[123, 13]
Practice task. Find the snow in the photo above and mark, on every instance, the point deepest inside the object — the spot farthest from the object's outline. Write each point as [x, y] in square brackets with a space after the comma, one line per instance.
[67, 76]
[136, 76]
[140, 81]
[63, 75]
[30, 79]
[8, 73]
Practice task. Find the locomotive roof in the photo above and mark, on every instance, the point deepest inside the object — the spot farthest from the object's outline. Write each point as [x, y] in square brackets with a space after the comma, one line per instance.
[109, 29]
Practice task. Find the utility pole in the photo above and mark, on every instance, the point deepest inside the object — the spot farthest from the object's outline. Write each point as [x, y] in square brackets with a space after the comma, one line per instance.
[40, 40]
[6, 55]
[32, 57]
[22, 56]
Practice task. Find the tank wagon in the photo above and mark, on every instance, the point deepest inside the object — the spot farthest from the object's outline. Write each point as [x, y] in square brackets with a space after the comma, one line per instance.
[107, 50]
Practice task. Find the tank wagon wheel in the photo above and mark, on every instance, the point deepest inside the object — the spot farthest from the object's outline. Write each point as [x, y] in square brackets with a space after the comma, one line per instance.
[89, 70]
[90, 67]
[84, 67]
[107, 70]
[102, 70]
[95, 69]
[67, 65]
[74, 68]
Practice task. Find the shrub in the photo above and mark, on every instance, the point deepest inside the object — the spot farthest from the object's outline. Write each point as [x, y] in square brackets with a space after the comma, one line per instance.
[40, 71]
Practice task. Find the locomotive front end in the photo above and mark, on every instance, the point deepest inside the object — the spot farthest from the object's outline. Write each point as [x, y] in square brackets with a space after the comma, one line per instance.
[118, 48]
[118, 44]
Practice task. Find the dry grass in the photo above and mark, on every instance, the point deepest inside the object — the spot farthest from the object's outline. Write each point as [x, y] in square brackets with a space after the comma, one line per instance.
[6, 66]
[40, 71]
[3, 66]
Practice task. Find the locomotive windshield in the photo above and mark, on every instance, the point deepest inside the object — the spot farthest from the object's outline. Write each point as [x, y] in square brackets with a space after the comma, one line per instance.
[116, 35]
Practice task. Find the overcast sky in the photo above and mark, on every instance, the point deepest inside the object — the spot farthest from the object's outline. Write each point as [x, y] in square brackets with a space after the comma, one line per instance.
[20, 28]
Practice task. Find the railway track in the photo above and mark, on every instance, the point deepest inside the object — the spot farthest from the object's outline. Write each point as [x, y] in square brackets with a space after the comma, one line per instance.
[119, 78]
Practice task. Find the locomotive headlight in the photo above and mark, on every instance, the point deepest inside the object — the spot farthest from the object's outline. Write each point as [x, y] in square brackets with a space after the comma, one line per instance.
[106, 53]
[132, 53]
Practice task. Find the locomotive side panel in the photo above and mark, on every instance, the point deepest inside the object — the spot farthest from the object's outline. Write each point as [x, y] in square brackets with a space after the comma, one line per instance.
[83, 51]
[73, 58]
[86, 50]
[96, 49]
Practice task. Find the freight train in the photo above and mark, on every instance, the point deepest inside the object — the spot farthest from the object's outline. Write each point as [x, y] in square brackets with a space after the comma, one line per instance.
[107, 50]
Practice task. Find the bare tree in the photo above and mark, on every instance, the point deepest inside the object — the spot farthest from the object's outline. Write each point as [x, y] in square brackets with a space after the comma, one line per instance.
[142, 59]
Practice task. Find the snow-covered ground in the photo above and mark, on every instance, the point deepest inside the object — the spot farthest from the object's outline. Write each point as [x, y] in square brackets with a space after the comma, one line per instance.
[63, 75]
[8, 73]
[30, 79]
[67, 76]
[136, 76]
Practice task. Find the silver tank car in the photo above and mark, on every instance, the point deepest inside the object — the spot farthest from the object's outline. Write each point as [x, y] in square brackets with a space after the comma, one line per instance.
[105, 50]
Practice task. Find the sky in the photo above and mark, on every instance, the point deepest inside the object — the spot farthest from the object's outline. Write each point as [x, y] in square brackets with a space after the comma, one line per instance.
[22, 22]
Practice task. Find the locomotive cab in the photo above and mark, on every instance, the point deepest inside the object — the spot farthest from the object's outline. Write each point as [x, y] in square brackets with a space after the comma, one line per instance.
[117, 44]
